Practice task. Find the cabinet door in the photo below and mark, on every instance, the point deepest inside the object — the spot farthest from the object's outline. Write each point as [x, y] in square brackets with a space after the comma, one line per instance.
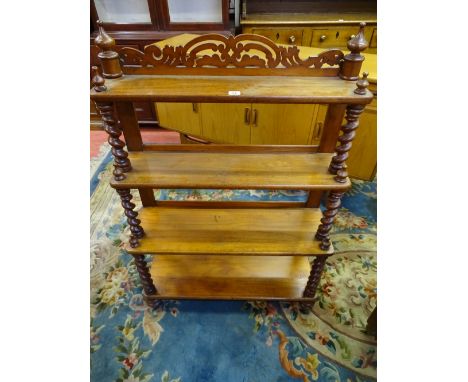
[317, 125]
[281, 124]
[182, 117]
[226, 122]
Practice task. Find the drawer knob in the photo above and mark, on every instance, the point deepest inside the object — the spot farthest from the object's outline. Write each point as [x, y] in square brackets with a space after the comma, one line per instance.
[292, 39]
[323, 38]
[351, 37]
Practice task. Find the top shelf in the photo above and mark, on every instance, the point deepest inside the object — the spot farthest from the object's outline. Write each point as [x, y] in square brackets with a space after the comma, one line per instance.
[231, 89]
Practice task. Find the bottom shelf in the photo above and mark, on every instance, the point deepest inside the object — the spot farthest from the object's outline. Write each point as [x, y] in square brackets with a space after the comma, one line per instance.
[229, 277]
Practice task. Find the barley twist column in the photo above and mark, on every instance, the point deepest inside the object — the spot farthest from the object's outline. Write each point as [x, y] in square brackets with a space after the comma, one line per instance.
[323, 231]
[315, 276]
[338, 165]
[111, 126]
[145, 276]
[136, 230]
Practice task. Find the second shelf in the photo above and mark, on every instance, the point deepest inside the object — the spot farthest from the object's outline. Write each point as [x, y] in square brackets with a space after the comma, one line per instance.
[230, 231]
[237, 169]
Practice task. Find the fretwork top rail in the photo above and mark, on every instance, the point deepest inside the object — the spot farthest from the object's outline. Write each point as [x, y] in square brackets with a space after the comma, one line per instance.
[226, 89]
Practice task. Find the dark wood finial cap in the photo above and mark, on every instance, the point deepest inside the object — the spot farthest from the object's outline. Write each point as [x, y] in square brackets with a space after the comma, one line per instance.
[362, 84]
[103, 40]
[359, 42]
[98, 81]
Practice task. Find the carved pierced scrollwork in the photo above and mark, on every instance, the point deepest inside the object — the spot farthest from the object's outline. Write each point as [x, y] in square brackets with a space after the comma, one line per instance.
[219, 51]
[315, 276]
[132, 217]
[145, 276]
[323, 231]
[111, 126]
[338, 165]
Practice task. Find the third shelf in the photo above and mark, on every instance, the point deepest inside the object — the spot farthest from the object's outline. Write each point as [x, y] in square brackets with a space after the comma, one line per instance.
[230, 231]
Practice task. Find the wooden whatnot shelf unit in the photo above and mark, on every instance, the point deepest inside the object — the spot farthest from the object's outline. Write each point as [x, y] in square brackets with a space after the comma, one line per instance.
[230, 250]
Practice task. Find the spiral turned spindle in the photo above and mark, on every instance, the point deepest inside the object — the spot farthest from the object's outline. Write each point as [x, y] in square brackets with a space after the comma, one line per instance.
[111, 126]
[323, 231]
[338, 165]
[136, 230]
[145, 276]
[315, 276]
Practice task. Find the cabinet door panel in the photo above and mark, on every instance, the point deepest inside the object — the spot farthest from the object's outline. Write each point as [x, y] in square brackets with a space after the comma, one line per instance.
[226, 122]
[317, 125]
[182, 117]
[282, 124]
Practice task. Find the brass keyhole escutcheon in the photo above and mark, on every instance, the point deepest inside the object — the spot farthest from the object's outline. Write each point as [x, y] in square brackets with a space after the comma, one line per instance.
[277, 36]
[337, 34]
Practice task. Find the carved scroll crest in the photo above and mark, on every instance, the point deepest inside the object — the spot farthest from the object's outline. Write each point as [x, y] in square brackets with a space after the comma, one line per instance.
[218, 51]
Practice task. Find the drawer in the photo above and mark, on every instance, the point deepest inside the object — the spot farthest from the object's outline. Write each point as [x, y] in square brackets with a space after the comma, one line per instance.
[335, 37]
[281, 36]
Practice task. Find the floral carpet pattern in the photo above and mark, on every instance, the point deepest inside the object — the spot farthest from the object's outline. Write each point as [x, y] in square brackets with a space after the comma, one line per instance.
[232, 341]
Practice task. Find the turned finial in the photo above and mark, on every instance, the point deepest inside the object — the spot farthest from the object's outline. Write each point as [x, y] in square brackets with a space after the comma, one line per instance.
[98, 81]
[103, 40]
[357, 44]
[109, 59]
[362, 84]
[352, 62]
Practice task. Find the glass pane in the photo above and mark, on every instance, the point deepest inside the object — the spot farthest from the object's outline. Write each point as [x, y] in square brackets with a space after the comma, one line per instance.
[123, 11]
[201, 11]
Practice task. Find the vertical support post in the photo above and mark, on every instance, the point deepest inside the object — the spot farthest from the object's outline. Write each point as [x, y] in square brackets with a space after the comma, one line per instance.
[323, 230]
[338, 165]
[109, 59]
[145, 276]
[352, 62]
[111, 126]
[332, 127]
[136, 230]
[313, 200]
[315, 275]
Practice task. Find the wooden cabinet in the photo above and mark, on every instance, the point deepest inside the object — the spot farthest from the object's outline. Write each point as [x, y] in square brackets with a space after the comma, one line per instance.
[320, 24]
[281, 124]
[226, 123]
[243, 123]
[335, 37]
[282, 36]
[182, 117]
[270, 124]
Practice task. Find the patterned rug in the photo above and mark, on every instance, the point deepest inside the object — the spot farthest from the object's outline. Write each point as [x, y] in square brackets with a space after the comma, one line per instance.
[231, 341]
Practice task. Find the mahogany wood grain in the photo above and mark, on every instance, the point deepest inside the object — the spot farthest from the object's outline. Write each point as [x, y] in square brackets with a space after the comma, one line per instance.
[147, 197]
[323, 231]
[227, 204]
[112, 128]
[338, 163]
[315, 275]
[263, 232]
[332, 128]
[207, 147]
[145, 276]
[313, 200]
[266, 89]
[129, 125]
[136, 230]
[227, 277]
[236, 170]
